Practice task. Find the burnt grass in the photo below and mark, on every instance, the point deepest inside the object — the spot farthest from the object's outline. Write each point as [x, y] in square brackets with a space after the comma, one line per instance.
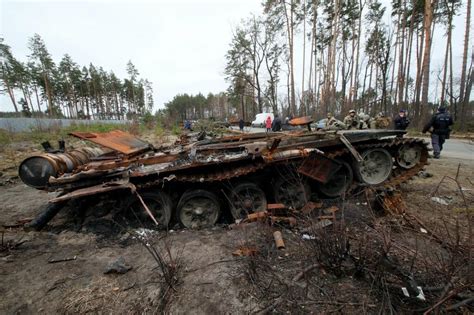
[362, 261]
[358, 264]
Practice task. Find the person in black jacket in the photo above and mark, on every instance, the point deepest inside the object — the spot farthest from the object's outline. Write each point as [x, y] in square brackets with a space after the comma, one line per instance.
[439, 127]
[241, 125]
[276, 124]
[401, 121]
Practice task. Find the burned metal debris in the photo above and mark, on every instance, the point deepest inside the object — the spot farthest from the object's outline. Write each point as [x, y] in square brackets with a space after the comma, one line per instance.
[196, 180]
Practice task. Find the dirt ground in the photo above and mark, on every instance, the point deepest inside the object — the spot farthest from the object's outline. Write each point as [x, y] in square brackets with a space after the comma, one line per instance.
[207, 277]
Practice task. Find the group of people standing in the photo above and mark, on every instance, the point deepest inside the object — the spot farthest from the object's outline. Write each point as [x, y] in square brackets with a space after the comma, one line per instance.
[439, 125]
[273, 125]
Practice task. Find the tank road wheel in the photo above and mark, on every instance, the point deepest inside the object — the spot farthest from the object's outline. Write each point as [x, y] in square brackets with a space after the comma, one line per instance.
[339, 182]
[198, 209]
[159, 204]
[409, 155]
[247, 198]
[293, 192]
[375, 167]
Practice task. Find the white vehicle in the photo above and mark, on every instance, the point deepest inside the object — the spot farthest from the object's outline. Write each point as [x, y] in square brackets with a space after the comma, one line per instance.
[260, 119]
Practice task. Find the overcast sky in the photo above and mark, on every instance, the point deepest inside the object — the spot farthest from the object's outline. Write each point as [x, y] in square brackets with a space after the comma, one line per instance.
[179, 45]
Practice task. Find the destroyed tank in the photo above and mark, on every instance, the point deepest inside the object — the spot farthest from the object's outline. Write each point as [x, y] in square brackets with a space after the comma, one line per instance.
[197, 181]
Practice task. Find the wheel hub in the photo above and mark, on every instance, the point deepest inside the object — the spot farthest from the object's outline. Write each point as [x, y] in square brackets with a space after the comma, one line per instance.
[247, 203]
[292, 192]
[198, 209]
[409, 156]
[376, 166]
[247, 198]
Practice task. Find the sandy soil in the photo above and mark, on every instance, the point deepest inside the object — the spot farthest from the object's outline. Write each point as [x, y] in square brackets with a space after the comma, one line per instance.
[211, 279]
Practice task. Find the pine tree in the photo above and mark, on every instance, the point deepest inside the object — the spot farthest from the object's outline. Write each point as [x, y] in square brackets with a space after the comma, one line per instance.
[41, 56]
[7, 74]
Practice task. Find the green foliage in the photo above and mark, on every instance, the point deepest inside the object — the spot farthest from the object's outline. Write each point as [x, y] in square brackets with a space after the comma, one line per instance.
[149, 120]
[5, 137]
[176, 130]
[159, 130]
[186, 106]
[69, 90]
[102, 127]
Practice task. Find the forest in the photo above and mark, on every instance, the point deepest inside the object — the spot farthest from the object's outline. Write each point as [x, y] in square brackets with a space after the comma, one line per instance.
[66, 90]
[297, 57]
[311, 57]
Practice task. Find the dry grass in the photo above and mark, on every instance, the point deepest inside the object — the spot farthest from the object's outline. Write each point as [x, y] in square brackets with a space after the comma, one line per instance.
[361, 263]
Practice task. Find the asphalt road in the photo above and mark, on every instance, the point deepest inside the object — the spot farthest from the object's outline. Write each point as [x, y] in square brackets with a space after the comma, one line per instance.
[453, 148]
[457, 148]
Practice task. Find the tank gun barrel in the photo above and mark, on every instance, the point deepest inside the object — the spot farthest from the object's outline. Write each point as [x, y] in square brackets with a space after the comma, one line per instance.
[36, 170]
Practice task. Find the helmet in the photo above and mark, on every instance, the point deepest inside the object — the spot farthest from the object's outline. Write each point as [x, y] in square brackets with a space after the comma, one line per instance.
[352, 111]
[441, 109]
[329, 115]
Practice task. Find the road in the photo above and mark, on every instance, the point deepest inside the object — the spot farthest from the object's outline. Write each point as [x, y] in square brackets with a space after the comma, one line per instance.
[457, 148]
[453, 148]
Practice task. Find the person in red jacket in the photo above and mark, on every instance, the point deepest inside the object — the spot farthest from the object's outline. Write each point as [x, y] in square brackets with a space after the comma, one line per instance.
[268, 123]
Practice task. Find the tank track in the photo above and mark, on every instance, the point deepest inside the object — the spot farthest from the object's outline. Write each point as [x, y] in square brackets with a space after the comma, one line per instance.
[398, 176]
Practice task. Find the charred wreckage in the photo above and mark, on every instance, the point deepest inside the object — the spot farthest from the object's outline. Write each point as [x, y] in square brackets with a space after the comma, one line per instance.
[197, 181]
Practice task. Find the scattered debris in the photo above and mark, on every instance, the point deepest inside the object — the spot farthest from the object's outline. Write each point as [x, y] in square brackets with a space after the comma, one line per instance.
[278, 240]
[145, 233]
[424, 174]
[310, 206]
[245, 251]
[440, 201]
[279, 220]
[56, 260]
[118, 266]
[10, 244]
[308, 237]
[420, 296]
[17, 224]
[316, 226]
[393, 202]
[251, 217]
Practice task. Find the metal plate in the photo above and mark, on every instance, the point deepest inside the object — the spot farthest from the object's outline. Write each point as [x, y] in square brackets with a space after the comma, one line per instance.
[117, 140]
[319, 167]
[301, 121]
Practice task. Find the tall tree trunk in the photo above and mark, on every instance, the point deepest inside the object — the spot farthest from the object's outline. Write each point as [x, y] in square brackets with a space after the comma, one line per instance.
[399, 40]
[401, 73]
[446, 55]
[427, 23]
[464, 65]
[351, 78]
[25, 96]
[365, 79]
[451, 93]
[419, 73]
[310, 75]
[49, 94]
[37, 98]
[11, 94]
[303, 98]
[467, 95]
[357, 66]
[406, 68]
[343, 72]
[289, 31]
[335, 36]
